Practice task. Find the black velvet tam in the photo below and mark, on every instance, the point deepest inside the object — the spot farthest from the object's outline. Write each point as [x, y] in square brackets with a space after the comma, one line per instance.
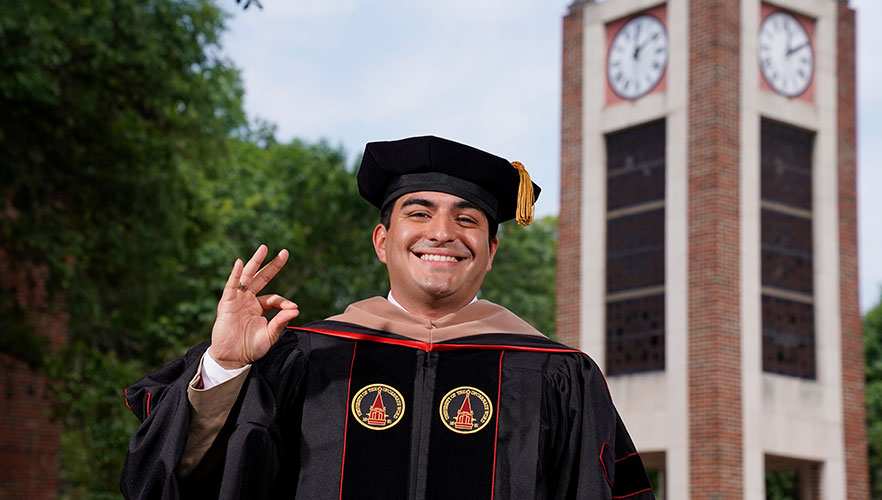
[391, 169]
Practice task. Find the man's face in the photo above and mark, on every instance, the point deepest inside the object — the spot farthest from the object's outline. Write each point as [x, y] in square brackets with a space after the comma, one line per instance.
[437, 250]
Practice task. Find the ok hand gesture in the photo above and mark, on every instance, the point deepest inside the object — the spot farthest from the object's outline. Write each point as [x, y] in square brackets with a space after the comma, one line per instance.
[241, 334]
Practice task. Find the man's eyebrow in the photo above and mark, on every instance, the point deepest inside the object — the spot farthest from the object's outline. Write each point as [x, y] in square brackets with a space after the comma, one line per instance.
[466, 204]
[418, 201]
[459, 205]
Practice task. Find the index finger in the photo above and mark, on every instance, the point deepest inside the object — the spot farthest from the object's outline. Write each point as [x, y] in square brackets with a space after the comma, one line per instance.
[250, 269]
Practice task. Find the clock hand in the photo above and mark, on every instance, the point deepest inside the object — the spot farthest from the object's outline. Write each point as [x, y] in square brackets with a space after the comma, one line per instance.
[789, 36]
[798, 47]
[636, 40]
[645, 42]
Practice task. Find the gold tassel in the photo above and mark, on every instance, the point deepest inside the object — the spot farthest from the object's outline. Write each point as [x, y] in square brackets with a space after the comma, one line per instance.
[524, 213]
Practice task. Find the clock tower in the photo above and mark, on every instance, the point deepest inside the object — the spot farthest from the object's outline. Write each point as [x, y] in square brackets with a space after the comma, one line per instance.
[708, 252]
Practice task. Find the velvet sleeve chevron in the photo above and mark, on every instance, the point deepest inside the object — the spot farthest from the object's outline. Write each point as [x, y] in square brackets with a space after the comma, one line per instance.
[159, 400]
[588, 452]
[251, 449]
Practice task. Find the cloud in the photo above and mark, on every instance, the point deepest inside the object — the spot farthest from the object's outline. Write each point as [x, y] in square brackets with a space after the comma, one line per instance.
[298, 101]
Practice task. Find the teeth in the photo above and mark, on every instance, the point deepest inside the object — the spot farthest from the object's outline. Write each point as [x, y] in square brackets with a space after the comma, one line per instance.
[437, 258]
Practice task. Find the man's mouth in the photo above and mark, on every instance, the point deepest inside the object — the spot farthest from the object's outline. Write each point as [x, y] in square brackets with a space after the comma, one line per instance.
[430, 254]
[439, 258]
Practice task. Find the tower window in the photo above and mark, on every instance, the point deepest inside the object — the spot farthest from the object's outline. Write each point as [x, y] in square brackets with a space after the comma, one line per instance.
[787, 251]
[635, 249]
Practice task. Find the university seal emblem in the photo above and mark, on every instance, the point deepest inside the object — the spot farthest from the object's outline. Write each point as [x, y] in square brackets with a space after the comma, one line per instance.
[378, 406]
[466, 410]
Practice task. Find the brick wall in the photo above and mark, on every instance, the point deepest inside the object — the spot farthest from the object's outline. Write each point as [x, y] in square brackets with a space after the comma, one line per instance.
[29, 438]
[856, 469]
[568, 275]
[714, 364]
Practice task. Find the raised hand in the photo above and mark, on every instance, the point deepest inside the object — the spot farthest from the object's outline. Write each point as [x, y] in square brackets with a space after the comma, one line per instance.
[241, 334]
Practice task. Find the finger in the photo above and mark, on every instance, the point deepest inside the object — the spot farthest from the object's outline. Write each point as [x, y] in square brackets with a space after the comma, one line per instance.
[269, 302]
[280, 321]
[269, 271]
[233, 280]
[253, 264]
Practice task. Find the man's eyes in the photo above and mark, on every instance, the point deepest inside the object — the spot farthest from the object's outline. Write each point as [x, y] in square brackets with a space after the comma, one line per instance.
[462, 219]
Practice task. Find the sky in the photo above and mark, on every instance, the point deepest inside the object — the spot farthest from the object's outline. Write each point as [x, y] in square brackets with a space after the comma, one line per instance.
[482, 72]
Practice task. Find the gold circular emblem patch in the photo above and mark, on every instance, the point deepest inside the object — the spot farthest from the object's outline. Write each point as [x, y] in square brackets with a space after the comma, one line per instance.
[378, 406]
[466, 410]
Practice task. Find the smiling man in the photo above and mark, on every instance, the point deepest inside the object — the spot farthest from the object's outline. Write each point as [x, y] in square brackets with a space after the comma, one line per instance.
[426, 393]
[436, 248]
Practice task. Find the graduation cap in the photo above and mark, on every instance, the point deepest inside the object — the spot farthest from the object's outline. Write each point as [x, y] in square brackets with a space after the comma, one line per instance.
[502, 189]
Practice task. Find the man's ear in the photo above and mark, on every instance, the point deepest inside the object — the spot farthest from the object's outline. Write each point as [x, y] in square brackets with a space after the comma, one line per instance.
[494, 244]
[380, 242]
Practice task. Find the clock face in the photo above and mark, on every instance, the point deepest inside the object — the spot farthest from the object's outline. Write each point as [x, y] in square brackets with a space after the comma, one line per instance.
[785, 54]
[637, 57]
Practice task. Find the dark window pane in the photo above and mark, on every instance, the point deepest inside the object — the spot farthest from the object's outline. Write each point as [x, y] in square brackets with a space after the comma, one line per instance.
[635, 337]
[786, 165]
[635, 251]
[788, 337]
[787, 251]
[635, 165]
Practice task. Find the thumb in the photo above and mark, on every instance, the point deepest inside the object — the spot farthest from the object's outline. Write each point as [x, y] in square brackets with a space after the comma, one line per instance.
[280, 321]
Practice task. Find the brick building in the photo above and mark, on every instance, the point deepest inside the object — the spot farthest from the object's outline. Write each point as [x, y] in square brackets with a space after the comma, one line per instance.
[29, 435]
[708, 253]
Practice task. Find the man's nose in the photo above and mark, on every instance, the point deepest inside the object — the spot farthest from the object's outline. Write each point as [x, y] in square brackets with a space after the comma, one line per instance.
[441, 229]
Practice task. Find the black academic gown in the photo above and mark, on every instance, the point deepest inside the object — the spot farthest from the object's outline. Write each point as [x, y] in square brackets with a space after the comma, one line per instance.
[336, 410]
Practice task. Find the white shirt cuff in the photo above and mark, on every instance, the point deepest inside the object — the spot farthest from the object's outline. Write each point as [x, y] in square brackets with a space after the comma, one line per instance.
[214, 374]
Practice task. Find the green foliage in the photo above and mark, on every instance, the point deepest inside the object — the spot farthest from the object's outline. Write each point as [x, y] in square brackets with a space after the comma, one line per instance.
[655, 476]
[104, 101]
[524, 271]
[109, 109]
[873, 393]
[295, 196]
[97, 423]
[20, 338]
[782, 485]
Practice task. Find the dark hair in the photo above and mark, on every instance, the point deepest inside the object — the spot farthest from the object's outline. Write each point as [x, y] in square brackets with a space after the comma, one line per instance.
[386, 220]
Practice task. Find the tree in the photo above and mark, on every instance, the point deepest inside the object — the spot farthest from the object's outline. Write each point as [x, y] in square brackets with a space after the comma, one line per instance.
[524, 271]
[109, 107]
[104, 102]
[873, 394]
[300, 197]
